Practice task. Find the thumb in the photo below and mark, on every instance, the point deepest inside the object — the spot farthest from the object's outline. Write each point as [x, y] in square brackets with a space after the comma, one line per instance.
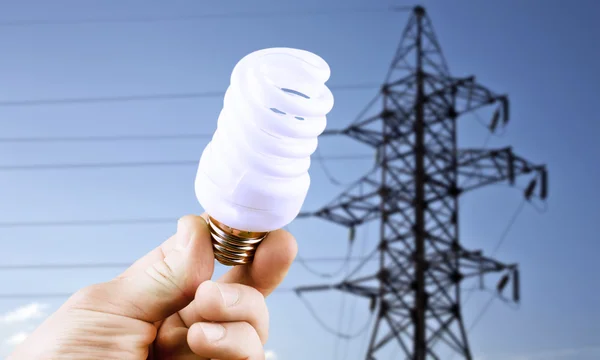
[153, 290]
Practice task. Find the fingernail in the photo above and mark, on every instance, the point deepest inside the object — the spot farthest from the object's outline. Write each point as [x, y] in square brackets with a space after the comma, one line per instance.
[213, 332]
[229, 293]
[183, 235]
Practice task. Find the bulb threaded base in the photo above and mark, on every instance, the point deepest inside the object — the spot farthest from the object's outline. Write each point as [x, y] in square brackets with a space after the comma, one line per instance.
[232, 246]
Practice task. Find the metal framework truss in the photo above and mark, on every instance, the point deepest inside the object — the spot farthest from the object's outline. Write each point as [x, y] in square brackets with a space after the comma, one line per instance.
[413, 193]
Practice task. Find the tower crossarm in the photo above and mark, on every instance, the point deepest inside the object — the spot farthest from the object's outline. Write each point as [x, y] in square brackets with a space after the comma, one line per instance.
[477, 168]
[457, 96]
[463, 264]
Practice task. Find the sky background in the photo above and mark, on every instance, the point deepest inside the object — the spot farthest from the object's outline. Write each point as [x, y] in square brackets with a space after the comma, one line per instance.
[542, 53]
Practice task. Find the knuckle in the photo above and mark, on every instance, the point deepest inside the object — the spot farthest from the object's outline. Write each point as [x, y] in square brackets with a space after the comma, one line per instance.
[265, 333]
[255, 347]
[258, 312]
[259, 302]
[253, 297]
[170, 340]
[247, 330]
[192, 221]
[96, 298]
[247, 333]
[165, 277]
[209, 302]
[290, 242]
[187, 217]
[293, 244]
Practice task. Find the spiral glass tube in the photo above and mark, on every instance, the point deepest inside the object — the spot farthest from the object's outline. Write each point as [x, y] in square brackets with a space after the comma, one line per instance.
[253, 175]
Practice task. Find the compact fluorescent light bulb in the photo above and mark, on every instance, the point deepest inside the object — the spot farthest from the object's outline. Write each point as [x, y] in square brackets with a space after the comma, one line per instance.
[253, 175]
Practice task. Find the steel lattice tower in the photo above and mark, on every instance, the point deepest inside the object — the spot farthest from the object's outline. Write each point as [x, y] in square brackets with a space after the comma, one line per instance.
[413, 193]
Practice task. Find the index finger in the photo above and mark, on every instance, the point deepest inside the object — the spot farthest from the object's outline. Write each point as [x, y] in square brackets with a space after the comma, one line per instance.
[272, 261]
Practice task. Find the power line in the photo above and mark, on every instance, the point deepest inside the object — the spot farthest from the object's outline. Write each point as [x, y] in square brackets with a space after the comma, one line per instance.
[102, 138]
[120, 265]
[80, 266]
[501, 240]
[482, 312]
[138, 164]
[227, 15]
[327, 328]
[486, 126]
[478, 318]
[355, 299]
[511, 223]
[480, 315]
[111, 99]
[75, 166]
[62, 295]
[35, 295]
[146, 97]
[327, 275]
[117, 138]
[341, 311]
[328, 174]
[64, 266]
[109, 222]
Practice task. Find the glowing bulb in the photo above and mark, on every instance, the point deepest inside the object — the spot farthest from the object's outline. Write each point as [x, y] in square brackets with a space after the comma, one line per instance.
[253, 175]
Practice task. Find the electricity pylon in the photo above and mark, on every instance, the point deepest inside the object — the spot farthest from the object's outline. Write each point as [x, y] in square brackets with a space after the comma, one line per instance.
[413, 193]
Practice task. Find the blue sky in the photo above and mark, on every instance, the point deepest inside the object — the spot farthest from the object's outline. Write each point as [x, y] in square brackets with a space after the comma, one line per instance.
[542, 53]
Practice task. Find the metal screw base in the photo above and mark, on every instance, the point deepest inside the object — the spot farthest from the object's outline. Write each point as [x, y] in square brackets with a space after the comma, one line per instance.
[231, 246]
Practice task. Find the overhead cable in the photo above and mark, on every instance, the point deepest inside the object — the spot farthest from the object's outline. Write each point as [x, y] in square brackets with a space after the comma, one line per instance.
[120, 265]
[138, 164]
[192, 17]
[146, 97]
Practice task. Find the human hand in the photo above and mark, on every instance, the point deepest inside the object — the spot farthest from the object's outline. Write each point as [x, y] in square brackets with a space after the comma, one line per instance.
[165, 307]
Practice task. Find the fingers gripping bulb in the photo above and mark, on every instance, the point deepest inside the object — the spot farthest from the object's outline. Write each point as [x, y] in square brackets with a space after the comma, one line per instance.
[253, 175]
